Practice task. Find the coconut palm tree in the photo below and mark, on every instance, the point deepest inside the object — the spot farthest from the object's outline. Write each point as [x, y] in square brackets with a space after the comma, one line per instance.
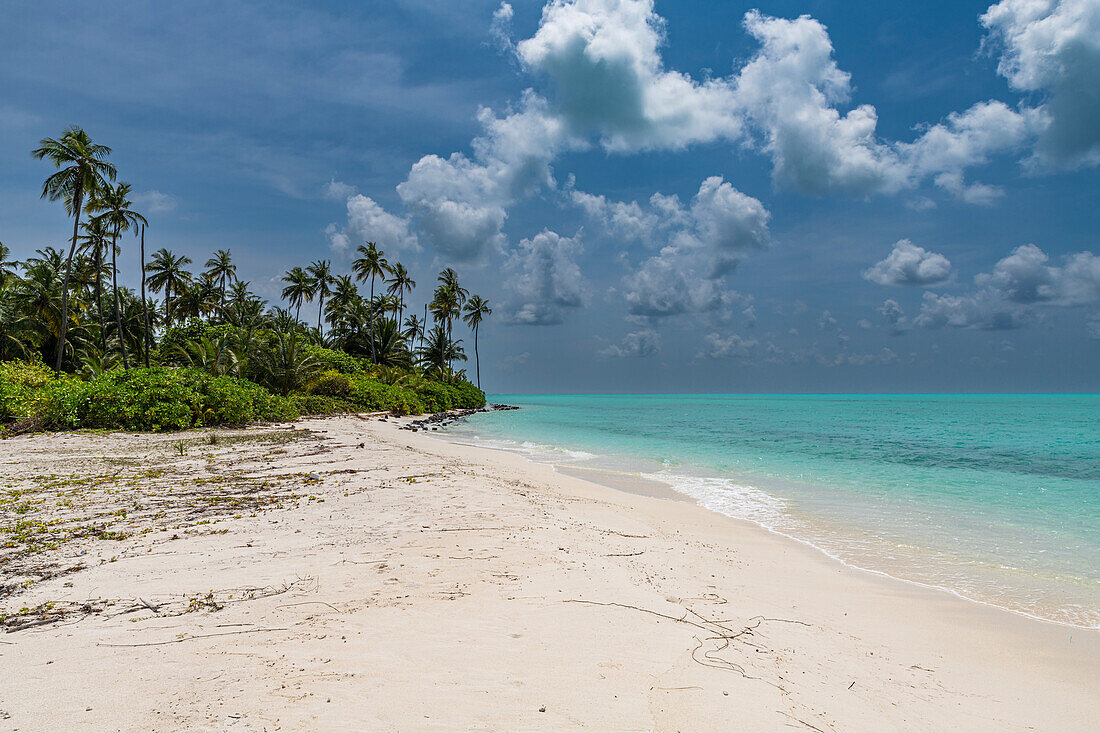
[320, 273]
[95, 238]
[82, 171]
[299, 288]
[400, 283]
[439, 351]
[476, 310]
[118, 217]
[167, 272]
[147, 339]
[344, 297]
[414, 328]
[220, 268]
[370, 263]
[8, 272]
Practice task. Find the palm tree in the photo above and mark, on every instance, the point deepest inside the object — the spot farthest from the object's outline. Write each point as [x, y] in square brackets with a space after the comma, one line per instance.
[85, 171]
[147, 340]
[414, 328]
[370, 263]
[286, 366]
[167, 273]
[446, 306]
[320, 273]
[7, 267]
[400, 284]
[299, 288]
[117, 217]
[221, 269]
[448, 278]
[95, 237]
[439, 351]
[344, 297]
[476, 310]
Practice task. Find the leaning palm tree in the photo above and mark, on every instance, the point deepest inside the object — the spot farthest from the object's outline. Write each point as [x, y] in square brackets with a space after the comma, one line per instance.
[82, 170]
[370, 263]
[476, 310]
[400, 283]
[299, 288]
[167, 272]
[320, 274]
[118, 217]
[220, 269]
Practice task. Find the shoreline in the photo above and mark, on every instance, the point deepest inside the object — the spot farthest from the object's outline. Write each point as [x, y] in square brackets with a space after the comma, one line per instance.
[436, 585]
[649, 484]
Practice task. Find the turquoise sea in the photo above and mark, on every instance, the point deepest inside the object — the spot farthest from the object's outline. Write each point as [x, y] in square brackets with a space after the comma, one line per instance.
[993, 497]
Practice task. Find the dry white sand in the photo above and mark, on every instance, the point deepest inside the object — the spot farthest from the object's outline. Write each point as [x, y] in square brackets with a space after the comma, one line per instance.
[431, 586]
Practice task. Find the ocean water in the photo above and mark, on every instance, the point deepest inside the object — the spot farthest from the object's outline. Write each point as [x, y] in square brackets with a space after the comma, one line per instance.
[993, 497]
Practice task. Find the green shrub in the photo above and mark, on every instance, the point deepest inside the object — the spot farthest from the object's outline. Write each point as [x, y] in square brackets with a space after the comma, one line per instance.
[315, 404]
[30, 389]
[333, 360]
[174, 399]
[331, 383]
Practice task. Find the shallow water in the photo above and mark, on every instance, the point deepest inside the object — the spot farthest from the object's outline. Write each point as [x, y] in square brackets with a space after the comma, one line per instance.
[993, 497]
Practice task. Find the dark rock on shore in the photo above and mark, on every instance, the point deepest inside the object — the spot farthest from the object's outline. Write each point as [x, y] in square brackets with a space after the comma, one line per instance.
[443, 419]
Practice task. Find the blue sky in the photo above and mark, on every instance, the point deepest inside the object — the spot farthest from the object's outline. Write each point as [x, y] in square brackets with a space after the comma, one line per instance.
[688, 196]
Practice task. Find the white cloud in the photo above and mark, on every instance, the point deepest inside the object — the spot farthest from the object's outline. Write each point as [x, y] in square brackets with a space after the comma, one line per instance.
[699, 245]
[895, 317]
[908, 264]
[983, 309]
[1005, 298]
[368, 221]
[501, 27]
[716, 346]
[461, 203]
[1026, 277]
[603, 60]
[544, 279]
[155, 202]
[635, 345]
[1053, 47]
[338, 190]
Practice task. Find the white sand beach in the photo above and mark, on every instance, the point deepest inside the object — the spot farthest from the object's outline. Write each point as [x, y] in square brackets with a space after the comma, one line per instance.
[368, 578]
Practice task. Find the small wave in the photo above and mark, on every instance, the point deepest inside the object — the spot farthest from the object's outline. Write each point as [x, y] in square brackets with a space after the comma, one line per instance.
[727, 497]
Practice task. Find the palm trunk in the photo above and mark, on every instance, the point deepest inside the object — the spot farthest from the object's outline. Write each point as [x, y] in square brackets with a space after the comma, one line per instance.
[298, 312]
[78, 199]
[144, 303]
[99, 296]
[320, 309]
[477, 360]
[370, 320]
[118, 311]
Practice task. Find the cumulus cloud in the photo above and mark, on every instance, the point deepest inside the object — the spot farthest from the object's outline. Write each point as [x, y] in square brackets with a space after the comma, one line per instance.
[699, 244]
[603, 60]
[501, 27]
[716, 346]
[895, 317]
[985, 309]
[544, 279]
[368, 221]
[1052, 47]
[908, 264]
[1005, 297]
[1026, 277]
[635, 345]
[461, 202]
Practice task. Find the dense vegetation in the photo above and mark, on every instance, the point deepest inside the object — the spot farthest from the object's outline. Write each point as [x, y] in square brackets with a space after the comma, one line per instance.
[77, 349]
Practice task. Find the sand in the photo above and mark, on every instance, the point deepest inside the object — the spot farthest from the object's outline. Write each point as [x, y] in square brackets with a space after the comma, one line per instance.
[414, 584]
